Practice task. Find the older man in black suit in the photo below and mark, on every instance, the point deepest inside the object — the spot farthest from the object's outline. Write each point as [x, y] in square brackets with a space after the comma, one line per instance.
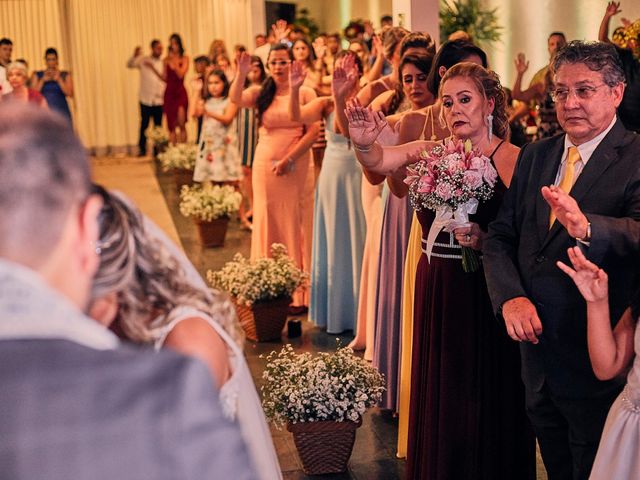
[580, 187]
[74, 403]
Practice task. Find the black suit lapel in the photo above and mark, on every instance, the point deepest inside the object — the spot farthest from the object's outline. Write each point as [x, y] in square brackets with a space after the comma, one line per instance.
[547, 177]
[601, 159]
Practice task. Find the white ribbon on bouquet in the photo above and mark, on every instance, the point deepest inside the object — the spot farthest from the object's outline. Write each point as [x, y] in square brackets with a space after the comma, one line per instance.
[449, 219]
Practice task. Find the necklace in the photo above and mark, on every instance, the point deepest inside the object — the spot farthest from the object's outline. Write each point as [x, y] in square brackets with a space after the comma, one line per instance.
[433, 133]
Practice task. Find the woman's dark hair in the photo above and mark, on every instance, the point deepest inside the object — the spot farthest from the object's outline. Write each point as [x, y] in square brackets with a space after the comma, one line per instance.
[263, 72]
[418, 40]
[268, 90]
[488, 84]
[422, 63]
[178, 40]
[450, 53]
[312, 54]
[50, 51]
[205, 85]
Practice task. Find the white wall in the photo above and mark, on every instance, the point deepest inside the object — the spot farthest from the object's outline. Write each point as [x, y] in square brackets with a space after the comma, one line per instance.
[528, 23]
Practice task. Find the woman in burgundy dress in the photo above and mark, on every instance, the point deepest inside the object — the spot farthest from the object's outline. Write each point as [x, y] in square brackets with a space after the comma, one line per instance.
[176, 101]
[467, 413]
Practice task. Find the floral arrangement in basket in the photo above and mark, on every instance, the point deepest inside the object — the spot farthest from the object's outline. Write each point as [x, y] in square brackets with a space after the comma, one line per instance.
[259, 280]
[158, 136]
[451, 179]
[208, 202]
[180, 157]
[300, 387]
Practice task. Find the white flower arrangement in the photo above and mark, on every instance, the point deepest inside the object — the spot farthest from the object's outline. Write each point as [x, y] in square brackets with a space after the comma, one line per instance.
[259, 280]
[158, 136]
[208, 202]
[180, 156]
[330, 386]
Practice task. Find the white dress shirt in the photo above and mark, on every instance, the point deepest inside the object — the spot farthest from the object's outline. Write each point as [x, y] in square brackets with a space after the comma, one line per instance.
[5, 86]
[585, 150]
[151, 87]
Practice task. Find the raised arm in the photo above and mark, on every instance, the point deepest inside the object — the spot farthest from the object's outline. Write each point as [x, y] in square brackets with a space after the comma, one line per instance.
[376, 69]
[613, 8]
[183, 66]
[243, 98]
[343, 82]
[365, 127]
[611, 351]
[312, 111]
[134, 61]
[530, 93]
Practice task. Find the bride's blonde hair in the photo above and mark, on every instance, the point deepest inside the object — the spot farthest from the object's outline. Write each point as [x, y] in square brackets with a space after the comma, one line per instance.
[149, 282]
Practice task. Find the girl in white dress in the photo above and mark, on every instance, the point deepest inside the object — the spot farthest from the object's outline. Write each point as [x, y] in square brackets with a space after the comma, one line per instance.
[154, 295]
[218, 157]
[612, 353]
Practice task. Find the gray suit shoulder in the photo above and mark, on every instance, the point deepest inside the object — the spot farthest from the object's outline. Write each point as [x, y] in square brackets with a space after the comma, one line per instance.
[75, 412]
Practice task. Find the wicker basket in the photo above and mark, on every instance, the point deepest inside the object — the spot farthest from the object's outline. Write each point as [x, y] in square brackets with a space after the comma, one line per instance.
[324, 447]
[182, 176]
[213, 233]
[264, 321]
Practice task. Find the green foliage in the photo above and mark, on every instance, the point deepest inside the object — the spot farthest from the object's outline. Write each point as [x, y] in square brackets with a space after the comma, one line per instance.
[470, 17]
[306, 23]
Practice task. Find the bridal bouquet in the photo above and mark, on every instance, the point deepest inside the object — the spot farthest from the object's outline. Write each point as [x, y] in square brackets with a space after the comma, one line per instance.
[451, 179]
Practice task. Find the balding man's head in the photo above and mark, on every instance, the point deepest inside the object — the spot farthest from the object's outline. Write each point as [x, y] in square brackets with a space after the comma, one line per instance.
[46, 222]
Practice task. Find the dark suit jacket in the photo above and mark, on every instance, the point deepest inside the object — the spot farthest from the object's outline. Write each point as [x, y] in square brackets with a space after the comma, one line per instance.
[71, 412]
[520, 254]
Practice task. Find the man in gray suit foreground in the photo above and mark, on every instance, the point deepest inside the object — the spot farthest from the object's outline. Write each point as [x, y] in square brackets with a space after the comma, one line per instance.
[74, 403]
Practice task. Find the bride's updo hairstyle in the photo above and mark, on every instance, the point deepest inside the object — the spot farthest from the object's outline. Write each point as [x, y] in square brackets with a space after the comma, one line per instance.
[488, 84]
[149, 282]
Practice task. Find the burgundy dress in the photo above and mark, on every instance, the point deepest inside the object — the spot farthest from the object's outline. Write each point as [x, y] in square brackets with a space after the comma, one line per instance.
[175, 97]
[467, 416]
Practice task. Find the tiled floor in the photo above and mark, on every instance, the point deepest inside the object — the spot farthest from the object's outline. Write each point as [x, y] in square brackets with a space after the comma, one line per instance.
[373, 456]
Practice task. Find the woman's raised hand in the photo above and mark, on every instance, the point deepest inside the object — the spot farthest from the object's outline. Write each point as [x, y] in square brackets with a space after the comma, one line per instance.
[280, 30]
[297, 74]
[591, 280]
[244, 63]
[364, 124]
[319, 48]
[344, 77]
[521, 63]
[376, 46]
[613, 8]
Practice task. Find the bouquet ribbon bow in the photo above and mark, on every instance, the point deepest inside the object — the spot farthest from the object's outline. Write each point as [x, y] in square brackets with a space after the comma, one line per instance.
[448, 220]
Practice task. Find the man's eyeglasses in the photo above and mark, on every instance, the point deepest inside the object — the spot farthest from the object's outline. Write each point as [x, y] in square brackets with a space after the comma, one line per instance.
[281, 63]
[560, 95]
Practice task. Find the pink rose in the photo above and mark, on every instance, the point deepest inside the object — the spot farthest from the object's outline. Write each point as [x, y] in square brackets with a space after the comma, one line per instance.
[478, 163]
[490, 175]
[426, 185]
[444, 191]
[472, 179]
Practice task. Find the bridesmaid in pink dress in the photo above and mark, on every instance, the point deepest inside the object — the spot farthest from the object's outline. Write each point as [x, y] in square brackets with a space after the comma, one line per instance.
[282, 164]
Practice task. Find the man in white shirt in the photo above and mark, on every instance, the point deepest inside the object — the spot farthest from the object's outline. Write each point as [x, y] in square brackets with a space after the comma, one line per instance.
[151, 89]
[6, 48]
[578, 188]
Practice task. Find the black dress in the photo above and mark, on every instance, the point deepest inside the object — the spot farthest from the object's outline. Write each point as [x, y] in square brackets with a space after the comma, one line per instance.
[467, 416]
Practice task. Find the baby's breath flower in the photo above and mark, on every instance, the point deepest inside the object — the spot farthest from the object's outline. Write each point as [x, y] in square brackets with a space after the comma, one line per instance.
[208, 202]
[180, 156]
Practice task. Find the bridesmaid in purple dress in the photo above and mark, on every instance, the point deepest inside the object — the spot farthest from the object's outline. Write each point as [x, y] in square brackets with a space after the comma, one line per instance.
[467, 413]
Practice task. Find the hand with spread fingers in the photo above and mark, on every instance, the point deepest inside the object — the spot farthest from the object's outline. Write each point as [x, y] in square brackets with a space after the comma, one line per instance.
[567, 211]
[244, 63]
[297, 74]
[364, 124]
[590, 279]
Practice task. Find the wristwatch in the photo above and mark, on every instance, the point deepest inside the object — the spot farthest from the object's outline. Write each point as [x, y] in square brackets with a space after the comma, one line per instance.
[587, 237]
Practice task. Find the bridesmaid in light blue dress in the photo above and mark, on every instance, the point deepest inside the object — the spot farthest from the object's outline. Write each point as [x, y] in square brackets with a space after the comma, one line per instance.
[338, 237]
[339, 223]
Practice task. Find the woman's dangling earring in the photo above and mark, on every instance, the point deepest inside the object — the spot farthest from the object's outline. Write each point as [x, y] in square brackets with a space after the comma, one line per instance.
[490, 126]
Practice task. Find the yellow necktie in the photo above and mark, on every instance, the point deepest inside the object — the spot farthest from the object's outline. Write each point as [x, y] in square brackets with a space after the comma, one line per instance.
[566, 182]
